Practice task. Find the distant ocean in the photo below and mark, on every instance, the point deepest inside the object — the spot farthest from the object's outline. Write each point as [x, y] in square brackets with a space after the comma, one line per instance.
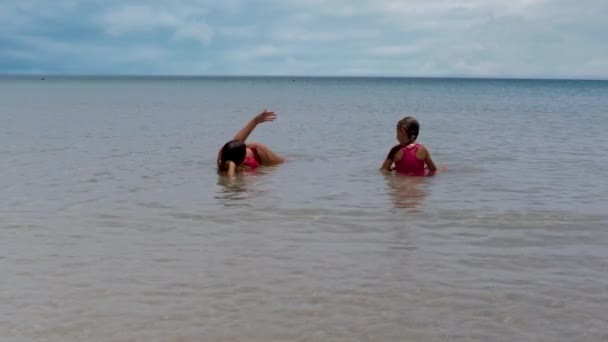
[115, 226]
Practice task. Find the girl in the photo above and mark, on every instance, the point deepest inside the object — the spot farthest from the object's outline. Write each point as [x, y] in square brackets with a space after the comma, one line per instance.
[237, 156]
[409, 157]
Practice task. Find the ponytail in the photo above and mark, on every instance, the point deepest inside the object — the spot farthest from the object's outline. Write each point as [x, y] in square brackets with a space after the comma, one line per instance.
[231, 168]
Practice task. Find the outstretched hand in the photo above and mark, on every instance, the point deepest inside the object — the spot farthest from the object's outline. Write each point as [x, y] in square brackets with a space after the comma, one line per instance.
[265, 116]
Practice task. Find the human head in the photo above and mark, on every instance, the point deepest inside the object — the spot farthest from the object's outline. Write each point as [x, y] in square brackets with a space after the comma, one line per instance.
[408, 129]
[234, 151]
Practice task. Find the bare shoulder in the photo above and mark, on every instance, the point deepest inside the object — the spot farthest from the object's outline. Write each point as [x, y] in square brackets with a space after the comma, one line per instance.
[422, 152]
[251, 144]
[257, 145]
[266, 154]
[398, 155]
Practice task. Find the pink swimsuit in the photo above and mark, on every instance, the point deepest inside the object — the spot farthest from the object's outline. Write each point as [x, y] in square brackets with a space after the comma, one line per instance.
[409, 164]
[255, 161]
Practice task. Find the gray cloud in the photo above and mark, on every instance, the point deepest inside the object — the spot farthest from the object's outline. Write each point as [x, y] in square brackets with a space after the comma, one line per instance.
[535, 38]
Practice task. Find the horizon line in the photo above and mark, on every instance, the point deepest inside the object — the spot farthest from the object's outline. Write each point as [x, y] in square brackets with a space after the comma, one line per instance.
[489, 77]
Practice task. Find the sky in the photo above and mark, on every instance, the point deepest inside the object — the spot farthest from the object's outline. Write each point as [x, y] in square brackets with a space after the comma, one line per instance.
[418, 38]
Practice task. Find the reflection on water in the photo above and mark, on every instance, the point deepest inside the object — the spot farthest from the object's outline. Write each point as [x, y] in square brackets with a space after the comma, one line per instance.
[243, 187]
[236, 191]
[406, 192]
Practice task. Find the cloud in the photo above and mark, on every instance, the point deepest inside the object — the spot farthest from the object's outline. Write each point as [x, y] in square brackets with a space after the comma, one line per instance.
[533, 38]
[180, 22]
[238, 32]
[396, 50]
[42, 49]
[308, 35]
[16, 16]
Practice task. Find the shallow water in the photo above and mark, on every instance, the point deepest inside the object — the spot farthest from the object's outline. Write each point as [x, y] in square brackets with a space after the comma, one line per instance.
[116, 227]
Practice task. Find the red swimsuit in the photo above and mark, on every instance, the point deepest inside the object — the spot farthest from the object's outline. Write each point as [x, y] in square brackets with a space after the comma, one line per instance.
[255, 161]
[409, 164]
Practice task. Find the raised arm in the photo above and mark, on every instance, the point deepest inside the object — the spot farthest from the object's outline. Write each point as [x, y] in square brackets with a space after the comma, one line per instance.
[264, 116]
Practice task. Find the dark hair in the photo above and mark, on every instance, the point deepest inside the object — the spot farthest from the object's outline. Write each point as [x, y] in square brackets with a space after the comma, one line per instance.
[234, 151]
[411, 127]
